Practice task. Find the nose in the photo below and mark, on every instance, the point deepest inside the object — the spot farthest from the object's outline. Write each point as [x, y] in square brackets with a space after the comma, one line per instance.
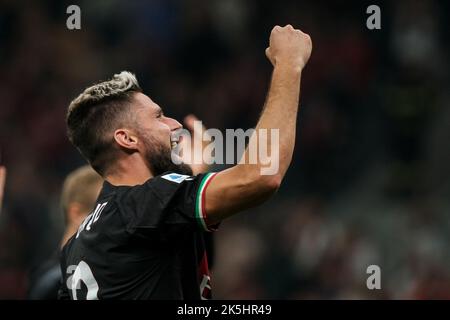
[173, 124]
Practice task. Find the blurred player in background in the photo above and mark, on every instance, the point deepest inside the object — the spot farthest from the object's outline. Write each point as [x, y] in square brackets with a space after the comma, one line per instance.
[145, 237]
[79, 192]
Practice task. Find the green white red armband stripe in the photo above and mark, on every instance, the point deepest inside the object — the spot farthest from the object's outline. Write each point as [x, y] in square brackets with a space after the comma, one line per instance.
[200, 212]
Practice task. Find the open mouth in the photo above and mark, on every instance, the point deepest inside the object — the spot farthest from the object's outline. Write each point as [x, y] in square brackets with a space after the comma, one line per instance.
[175, 139]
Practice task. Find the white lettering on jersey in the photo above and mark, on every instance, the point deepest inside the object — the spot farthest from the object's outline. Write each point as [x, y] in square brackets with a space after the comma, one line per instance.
[92, 218]
[82, 273]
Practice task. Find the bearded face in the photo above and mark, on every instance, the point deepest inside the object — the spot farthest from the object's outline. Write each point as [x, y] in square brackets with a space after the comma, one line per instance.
[158, 156]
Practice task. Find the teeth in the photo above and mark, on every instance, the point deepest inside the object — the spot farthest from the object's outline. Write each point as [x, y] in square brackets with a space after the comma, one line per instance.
[174, 144]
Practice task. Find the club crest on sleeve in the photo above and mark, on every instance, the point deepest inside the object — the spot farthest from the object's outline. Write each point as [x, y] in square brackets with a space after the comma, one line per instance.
[175, 177]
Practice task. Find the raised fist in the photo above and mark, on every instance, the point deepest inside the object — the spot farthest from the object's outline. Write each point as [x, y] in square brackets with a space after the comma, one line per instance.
[289, 47]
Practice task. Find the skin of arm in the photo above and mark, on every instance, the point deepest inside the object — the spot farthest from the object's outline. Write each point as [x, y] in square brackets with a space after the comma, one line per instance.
[243, 186]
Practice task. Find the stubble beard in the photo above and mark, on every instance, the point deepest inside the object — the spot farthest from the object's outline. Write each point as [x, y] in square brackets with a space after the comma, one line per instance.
[159, 158]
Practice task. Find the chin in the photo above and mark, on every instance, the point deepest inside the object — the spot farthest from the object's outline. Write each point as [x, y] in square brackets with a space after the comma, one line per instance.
[160, 159]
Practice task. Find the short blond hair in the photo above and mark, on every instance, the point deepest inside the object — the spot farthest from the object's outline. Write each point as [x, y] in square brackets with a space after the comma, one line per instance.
[81, 186]
[120, 83]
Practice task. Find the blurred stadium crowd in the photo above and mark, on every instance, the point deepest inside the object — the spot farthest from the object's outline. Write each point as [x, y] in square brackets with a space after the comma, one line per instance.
[370, 180]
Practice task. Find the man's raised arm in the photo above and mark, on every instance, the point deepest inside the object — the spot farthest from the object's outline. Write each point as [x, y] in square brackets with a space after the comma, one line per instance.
[244, 186]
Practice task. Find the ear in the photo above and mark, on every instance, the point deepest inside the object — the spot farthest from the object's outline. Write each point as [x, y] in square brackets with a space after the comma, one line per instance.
[126, 139]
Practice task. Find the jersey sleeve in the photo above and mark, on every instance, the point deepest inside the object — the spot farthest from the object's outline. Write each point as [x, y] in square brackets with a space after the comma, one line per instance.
[169, 200]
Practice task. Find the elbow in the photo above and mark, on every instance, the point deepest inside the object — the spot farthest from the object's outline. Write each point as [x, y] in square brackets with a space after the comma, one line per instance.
[275, 182]
[261, 182]
[258, 186]
[270, 183]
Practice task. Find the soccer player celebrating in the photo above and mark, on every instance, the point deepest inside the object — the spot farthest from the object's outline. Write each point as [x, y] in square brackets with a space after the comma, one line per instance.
[144, 240]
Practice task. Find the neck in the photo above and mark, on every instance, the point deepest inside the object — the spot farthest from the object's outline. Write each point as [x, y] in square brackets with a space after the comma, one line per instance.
[129, 172]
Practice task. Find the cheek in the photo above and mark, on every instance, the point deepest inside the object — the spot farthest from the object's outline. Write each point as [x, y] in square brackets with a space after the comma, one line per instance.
[163, 132]
[157, 131]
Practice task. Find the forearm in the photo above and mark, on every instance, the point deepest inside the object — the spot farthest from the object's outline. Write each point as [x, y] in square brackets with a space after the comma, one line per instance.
[279, 113]
[248, 184]
[244, 183]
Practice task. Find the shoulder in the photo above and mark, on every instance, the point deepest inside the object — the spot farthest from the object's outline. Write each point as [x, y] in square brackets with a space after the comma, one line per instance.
[165, 184]
[172, 183]
[174, 178]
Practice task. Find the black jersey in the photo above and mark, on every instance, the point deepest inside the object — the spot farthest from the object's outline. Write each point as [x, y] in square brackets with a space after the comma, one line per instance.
[45, 280]
[141, 242]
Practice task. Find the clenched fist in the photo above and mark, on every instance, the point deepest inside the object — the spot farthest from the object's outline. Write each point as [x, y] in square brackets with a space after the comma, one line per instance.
[289, 47]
